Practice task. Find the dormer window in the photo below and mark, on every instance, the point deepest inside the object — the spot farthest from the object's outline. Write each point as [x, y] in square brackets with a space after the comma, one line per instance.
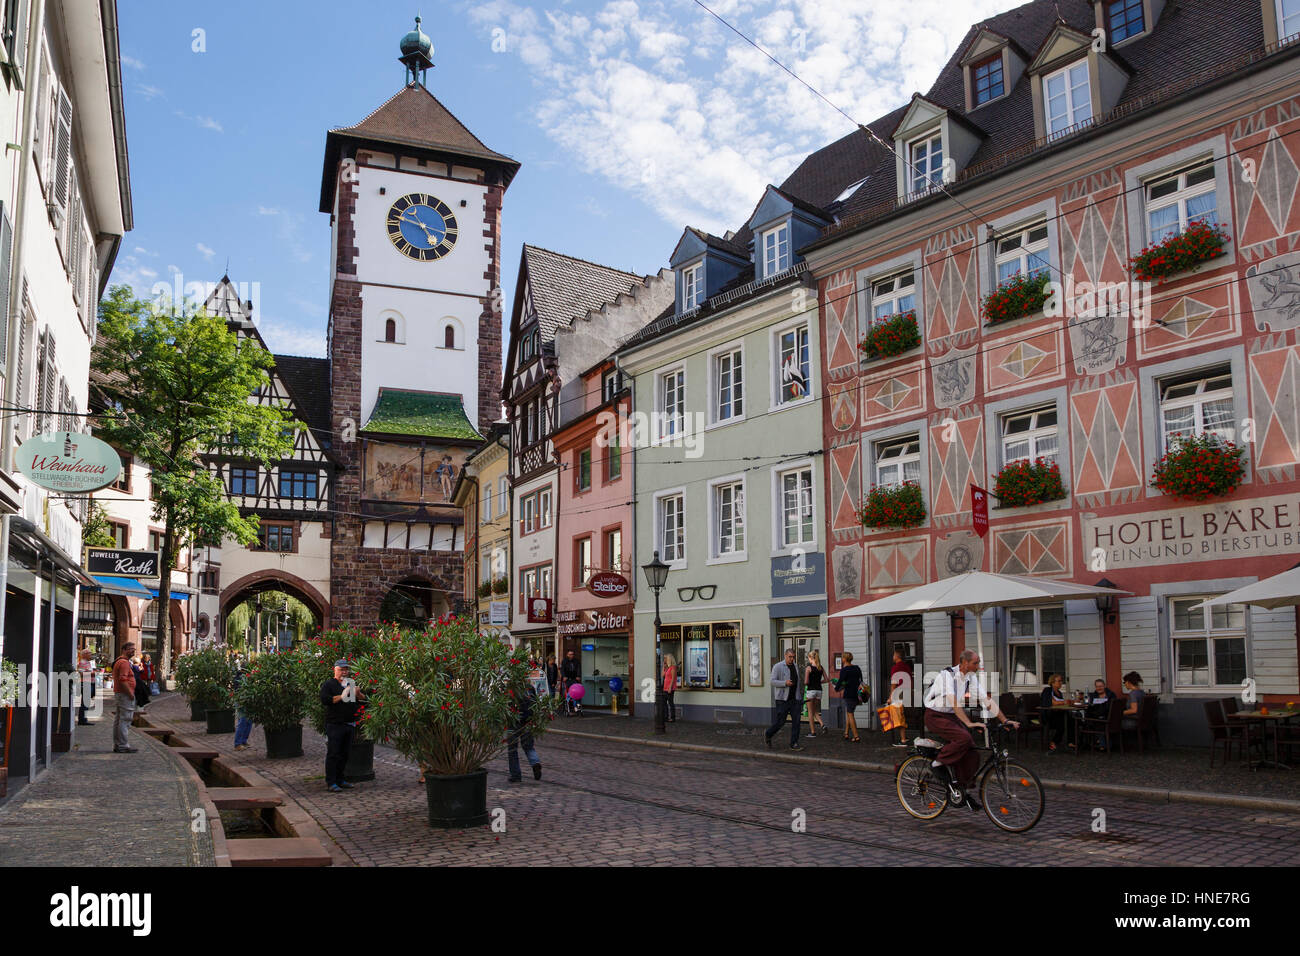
[1067, 98]
[776, 250]
[528, 347]
[926, 164]
[1125, 19]
[692, 286]
[1288, 18]
[988, 83]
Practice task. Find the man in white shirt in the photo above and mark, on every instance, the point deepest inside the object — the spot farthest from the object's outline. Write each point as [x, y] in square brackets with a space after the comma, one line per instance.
[953, 690]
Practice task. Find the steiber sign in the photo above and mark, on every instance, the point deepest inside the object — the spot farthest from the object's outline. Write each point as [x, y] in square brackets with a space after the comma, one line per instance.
[68, 462]
[607, 584]
[131, 564]
[1210, 532]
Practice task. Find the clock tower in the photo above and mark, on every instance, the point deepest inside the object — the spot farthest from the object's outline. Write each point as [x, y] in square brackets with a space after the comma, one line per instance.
[415, 325]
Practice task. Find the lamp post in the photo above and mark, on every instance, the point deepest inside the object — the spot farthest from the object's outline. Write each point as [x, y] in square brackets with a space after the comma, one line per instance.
[656, 576]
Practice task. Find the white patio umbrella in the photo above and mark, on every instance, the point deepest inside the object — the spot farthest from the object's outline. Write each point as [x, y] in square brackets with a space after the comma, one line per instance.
[1281, 590]
[976, 591]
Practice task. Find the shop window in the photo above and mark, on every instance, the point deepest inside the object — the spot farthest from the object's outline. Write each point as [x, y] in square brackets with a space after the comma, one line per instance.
[1209, 644]
[713, 655]
[1036, 645]
[800, 633]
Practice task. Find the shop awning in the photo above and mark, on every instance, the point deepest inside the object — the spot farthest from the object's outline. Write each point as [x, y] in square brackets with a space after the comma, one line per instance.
[126, 587]
[177, 591]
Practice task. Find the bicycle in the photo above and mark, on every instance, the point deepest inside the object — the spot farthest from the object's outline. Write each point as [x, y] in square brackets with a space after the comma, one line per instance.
[1011, 793]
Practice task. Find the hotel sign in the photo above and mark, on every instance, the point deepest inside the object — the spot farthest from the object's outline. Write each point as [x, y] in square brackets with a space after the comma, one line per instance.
[1256, 527]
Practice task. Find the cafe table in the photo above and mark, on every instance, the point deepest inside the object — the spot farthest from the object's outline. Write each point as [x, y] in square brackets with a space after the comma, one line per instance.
[1074, 711]
[1274, 716]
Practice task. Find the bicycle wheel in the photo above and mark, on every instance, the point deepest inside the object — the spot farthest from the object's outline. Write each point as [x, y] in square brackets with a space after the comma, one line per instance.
[920, 790]
[1012, 796]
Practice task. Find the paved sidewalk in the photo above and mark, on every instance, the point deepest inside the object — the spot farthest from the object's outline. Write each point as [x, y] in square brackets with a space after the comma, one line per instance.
[95, 808]
[1160, 771]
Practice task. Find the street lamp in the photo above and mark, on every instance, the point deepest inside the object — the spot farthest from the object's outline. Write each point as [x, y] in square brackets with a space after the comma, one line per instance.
[656, 576]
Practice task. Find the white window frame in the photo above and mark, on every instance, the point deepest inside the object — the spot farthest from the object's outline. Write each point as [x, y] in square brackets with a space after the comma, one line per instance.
[692, 286]
[779, 503]
[1197, 401]
[921, 183]
[1183, 191]
[503, 492]
[1073, 110]
[609, 382]
[893, 297]
[1208, 633]
[663, 433]
[528, 520]
[778, 383]
[544, 501]
[1035, 434]
[1283, 18]
[1038, 640]
[585, 568]
[733, 354]
[487, 502]
[899, 460]
[678, 558]
[775, 245]
[737, 509]
[1017, 246]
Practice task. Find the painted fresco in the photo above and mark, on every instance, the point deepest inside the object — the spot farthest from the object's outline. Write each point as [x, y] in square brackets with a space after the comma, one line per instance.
[954, 377]
[840, 309]
[844, 404]
[1274, 289]
[846, 564]
[846, 486]
[1199, 313]
[410, 473]
[951, 290]
[1275, 407]
[1266, 173]
[957, 553]
[956, 460]
[1093, 250]
[894, 394]
[1037, 549]
[897, 564]
[1024, 358]
[1106, 439]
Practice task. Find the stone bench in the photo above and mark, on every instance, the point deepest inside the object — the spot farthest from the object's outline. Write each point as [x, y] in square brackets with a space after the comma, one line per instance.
[285, 851]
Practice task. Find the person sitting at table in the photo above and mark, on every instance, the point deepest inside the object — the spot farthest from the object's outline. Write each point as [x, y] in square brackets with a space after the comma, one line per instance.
[1133, 687]
[1052, 712]
[1098, 705]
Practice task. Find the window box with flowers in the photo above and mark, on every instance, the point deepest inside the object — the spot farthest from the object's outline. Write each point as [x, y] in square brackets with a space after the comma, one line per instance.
[891, 336]
[1199, 467]
[1028, 482]
[484, 589]
[1023, 294]
[500, 585]
[893, 506]
[1199, 242]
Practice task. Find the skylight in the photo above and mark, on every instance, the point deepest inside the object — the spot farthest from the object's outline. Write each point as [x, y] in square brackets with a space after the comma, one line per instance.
[849, 190]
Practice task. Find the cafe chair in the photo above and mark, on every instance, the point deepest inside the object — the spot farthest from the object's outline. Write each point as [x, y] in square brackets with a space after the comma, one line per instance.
[1108, 729]
[1146, 720]
[1221, 732]
[1031, 719]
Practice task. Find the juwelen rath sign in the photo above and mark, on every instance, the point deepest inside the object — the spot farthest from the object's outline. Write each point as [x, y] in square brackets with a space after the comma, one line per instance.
[1250, 528]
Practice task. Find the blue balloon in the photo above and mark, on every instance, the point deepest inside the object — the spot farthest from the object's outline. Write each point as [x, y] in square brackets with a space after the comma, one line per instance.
[616, 684]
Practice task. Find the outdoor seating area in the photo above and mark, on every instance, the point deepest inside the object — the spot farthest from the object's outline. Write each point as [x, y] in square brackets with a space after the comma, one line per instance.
[1260, 735]
[1079, 725]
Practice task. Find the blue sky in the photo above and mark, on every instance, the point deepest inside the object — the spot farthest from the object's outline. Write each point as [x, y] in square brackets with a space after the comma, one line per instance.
[631, 119]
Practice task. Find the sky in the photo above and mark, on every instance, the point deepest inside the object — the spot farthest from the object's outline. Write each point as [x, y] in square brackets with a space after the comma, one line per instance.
[632, 120]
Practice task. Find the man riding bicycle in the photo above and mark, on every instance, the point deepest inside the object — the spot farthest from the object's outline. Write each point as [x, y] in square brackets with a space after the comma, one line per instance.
[945, 714]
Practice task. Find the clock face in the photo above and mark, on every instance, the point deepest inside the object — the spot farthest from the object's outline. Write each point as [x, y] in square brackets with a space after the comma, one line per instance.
[421, 227]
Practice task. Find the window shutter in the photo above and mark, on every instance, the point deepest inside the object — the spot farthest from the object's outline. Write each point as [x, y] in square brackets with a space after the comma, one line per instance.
[64, 400]
[24, 340]
[15, 35]
[6, 251]
[48, 395]
[63, 150]
[40, 135]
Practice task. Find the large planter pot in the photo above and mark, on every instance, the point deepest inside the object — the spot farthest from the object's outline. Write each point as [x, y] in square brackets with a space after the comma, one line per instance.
[457, 800]
[284, 743]
[60, 743]
[221, 721]
[198, 710]
[361, 761]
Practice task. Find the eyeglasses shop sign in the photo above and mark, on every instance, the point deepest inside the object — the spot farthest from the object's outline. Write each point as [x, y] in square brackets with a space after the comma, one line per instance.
[68, 462]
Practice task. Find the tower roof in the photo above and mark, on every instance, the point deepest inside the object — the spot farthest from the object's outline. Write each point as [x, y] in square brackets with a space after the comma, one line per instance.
[414, 118]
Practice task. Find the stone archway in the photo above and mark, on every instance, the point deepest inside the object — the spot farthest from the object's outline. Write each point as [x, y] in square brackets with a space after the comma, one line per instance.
[275, 580]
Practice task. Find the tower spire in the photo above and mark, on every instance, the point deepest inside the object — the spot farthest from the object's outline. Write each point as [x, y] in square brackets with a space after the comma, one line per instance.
[417, 52]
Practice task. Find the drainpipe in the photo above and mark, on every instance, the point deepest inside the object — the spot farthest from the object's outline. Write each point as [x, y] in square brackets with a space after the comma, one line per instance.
[36, 17]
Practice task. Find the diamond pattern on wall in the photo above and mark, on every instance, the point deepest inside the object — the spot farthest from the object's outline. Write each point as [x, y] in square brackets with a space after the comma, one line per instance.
[846, 486]
[1204, 313]
[839, 304]
[892, 394]
[1026, 357]
[896, 564]
[1105, 435]
[1092, 239]
[1041, 550]
[952, 292]
[1275, 401]
[954, 464]
[1266, 174]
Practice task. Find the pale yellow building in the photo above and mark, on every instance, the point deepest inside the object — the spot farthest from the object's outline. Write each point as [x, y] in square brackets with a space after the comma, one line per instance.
[483, 493]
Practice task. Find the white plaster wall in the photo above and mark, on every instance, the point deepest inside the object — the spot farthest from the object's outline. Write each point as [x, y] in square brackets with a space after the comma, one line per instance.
[419, 361]
[311, 562]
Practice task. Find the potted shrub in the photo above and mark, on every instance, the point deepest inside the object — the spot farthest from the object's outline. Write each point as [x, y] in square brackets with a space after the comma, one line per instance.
[891, 336]
[207, 677]
[1198, 467]
[893, 506]
[1199, 242]
[484, 589]
[315, 660]
[1023, 294]
[1028, 482]
[500, 585]
[444, 697]
[271, 696]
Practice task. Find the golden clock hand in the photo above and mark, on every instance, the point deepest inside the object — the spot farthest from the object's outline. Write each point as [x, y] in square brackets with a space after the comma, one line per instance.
[428, 233]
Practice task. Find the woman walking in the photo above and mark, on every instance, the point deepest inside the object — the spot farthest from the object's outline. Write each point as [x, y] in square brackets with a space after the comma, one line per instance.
[670, 686]
[138, 667]
[813, 676]
[850, 685]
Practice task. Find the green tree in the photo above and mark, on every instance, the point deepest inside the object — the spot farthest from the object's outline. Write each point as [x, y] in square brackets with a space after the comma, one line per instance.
[96, 533]
[177, 384]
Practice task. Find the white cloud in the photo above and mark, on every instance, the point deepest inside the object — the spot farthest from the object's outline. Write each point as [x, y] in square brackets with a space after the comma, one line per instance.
[206, 122]
[205, 251]
[677, 109]
[289, 230]
[287, 339]
[309, 307]
[145, 252]
[172, 270]
[149, 92]
[132, 62]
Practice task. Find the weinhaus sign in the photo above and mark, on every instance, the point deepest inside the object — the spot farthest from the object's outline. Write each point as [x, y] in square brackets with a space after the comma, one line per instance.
[131, 564]
[69, 462]
[1257, 527]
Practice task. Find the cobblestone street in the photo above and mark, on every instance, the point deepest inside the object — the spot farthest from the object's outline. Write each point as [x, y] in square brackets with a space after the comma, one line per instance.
[604, 802]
